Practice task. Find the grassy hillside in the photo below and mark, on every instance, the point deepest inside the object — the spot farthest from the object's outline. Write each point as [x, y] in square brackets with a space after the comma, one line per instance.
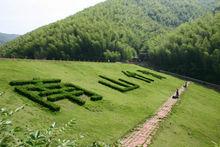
[106, 120]
[195, 121]
[6, 37]
[112, 30]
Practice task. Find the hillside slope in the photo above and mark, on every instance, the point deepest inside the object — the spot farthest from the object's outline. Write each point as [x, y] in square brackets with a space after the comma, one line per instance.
[112, 30]
[106, 120]
[195, 121]
[193, 49]
[7, 37]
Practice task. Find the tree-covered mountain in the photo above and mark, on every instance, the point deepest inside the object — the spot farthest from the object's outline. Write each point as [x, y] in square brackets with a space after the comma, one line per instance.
[193, 49]
[7, 37]
[112, 30]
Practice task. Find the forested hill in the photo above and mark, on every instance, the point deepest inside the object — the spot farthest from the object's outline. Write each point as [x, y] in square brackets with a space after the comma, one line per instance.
[7, 37]
[112, 30]
[193, 49]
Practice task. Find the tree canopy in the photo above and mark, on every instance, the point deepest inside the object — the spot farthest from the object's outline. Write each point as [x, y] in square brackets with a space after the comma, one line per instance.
[112, 30]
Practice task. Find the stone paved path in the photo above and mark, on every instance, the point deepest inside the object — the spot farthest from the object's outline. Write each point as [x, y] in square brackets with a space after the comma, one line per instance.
[143, 134]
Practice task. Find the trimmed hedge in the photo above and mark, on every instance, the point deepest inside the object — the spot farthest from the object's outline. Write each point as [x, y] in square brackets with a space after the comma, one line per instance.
[46, 81]
[86, 92]
[137, 76]
[70, 97]
[114, 81]
[77, 100]
[21, 83]
[50, 92]
[54, 90]
[34, 81]
[129, 86]
[37, 99]
[53, 86]
[153, 74]
[96, 98]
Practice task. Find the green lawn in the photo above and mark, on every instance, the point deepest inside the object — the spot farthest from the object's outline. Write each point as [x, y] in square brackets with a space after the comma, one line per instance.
[194, 122]
[112, 117]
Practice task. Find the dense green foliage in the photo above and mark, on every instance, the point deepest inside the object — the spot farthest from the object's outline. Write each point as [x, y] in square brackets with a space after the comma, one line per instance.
[120, 84]
[7, 37]
[137, 76]
[193, 49]
[113, 30]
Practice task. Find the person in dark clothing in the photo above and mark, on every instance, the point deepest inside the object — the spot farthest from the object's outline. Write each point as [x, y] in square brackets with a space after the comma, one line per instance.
[186, 84]
[177, 94]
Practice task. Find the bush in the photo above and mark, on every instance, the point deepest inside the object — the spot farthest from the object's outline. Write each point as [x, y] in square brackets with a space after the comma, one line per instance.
[57, 97]
[114, 81]
[152, 74]
[96, 98]
[129, 86]
[21, 82]
[50, 92]
[54, 90]
[77, 100]
[137, 76]
[53, 86]
[70, 96]
[37, 99]
[45, 81]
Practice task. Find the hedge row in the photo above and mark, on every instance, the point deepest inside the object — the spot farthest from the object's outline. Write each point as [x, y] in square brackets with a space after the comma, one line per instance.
[34, 81]
[70, 97]
[131, 86]
[45, 81]
[137, 76]
[96, 98]
[86, 92]
[153, 74]
[114, 81]
[50, 92]
[53, 86]
[20, 83]
[54, 90]
[37, 99]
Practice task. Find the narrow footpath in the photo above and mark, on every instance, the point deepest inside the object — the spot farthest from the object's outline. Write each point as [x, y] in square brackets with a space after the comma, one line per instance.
[143, 134]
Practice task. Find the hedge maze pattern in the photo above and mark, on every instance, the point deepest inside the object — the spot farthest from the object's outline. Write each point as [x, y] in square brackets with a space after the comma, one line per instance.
[137, 76]
[152, 74]
[120, 84]
[47, 91]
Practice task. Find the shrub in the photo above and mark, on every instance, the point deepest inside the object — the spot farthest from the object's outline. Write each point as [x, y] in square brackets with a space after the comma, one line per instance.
[20, 83]
[69, 89]
[114, 81]
[77, 93]
[45, 81]
[96, 98]
[68, 96]
[57, 97]
[129, 86]
[77, 100]
[50, 92]
[137, 76]
[53, 86]
[37, 99]
[153, 74]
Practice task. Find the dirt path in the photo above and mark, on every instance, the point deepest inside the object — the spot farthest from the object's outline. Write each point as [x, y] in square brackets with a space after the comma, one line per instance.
[143, 134]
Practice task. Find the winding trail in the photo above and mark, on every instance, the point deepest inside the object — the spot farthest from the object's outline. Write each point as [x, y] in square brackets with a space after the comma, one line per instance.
[143, 134]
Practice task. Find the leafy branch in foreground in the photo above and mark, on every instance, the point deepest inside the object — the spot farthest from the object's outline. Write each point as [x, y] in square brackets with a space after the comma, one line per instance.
[35, 138]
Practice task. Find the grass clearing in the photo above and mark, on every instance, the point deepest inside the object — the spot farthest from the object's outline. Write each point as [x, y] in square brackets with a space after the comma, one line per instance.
[194, 121]
[106, 120]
